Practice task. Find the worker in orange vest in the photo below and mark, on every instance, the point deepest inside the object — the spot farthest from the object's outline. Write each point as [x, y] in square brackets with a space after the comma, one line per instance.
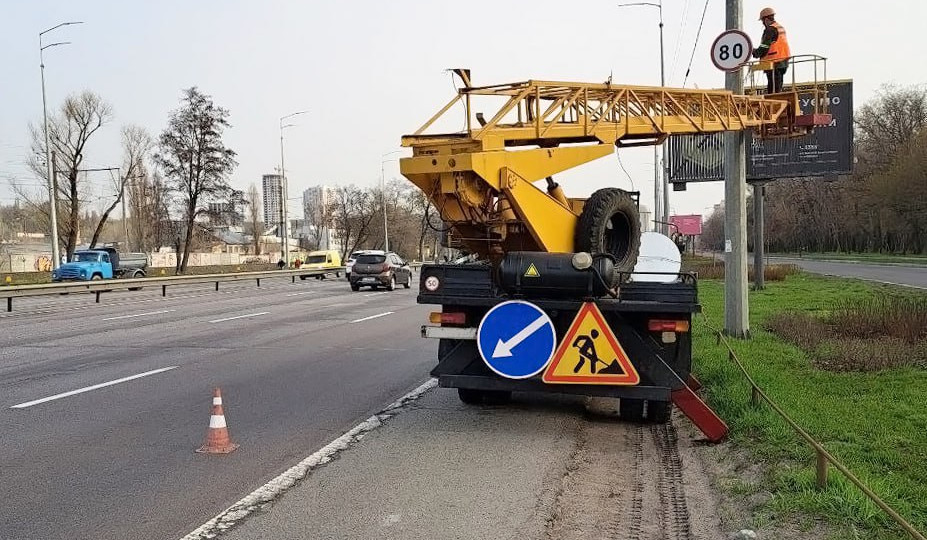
[774, 49]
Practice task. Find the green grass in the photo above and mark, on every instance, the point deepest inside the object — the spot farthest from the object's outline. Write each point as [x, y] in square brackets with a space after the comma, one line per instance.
[874, 422]
[859, 257]
[29, 278]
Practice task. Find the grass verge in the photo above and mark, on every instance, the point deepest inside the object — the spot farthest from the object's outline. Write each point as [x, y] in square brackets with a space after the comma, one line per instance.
[875, 422]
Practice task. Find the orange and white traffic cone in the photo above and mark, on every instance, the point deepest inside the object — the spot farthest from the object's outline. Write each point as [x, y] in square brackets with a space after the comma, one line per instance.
[217, 436]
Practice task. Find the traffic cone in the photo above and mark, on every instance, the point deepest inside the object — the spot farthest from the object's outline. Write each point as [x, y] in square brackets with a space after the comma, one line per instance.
[217, 436]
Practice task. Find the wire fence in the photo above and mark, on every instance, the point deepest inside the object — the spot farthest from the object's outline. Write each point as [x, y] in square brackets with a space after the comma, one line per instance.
[823, 458]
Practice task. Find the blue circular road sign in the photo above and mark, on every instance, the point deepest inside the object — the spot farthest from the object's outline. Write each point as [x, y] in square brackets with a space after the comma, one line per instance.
[516, 339]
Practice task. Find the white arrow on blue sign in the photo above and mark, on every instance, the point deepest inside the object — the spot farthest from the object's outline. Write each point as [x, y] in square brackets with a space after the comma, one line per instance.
[516, 339]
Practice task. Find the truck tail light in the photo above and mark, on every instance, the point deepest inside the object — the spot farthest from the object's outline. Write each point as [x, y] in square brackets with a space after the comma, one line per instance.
[438, 317]
[664, 325]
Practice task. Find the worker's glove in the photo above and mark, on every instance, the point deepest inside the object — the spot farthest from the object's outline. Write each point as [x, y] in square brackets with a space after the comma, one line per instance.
[757, 53]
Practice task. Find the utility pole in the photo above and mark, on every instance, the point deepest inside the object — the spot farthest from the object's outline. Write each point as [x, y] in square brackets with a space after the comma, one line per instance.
[759, 223]
[122, 195]
[284, 193]
[383, 162]
[49, 155]
[660, 204]
[736, 311]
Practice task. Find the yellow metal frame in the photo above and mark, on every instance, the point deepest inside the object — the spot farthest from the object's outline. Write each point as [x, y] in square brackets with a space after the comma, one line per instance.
[478, 177]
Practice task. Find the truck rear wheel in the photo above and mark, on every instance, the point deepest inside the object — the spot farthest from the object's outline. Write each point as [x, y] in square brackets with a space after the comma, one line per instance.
[631, 410]
[472, 396]
[610, 223]
[658, 412]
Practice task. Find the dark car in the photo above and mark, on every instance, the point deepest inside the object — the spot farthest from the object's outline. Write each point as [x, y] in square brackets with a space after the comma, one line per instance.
[380, 269]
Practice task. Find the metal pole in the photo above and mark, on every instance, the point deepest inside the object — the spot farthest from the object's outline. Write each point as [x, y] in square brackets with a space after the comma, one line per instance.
[665, 182]
[284, 240]
[736, 313]
[125, 220]
[50, 162]
[383, 195]
[759, 223]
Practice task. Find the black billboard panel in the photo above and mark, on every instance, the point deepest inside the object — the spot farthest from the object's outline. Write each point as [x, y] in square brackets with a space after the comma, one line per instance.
[828, 151]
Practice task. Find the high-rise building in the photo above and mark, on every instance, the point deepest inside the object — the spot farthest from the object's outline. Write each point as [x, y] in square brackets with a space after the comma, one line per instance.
[316, 204]
[273, 199]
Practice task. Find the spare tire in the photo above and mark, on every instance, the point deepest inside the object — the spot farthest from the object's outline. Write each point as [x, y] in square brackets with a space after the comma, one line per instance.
[610, 223]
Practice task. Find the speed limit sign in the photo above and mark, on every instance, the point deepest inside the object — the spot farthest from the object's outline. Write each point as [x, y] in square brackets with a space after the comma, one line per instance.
[731, 50]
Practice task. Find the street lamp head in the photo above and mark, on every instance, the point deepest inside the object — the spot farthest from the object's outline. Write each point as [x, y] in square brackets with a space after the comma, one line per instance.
[59, 26]
[54, 45]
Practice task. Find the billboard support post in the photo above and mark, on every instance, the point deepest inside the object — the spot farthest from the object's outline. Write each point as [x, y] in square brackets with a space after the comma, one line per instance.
[759, 224]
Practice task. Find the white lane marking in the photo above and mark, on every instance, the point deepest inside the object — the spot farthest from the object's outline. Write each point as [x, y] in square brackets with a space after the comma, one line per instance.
[301, 293]
[273, 489]
[94, 387]
[374, 294]
[241, 317]
[372, 317]
[874, 281]
[138, 315]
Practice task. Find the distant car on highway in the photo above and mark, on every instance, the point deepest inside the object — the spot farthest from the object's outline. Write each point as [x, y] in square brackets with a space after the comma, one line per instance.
[380, 269]
[352, 258]
[322, 260]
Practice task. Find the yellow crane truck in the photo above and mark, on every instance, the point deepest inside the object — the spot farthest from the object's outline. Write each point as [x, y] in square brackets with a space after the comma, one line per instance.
[548, 301]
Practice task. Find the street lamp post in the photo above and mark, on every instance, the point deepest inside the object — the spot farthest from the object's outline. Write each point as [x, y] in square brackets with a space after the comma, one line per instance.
[660, 207]
[383, 194]
[50, 166]
[284, 225]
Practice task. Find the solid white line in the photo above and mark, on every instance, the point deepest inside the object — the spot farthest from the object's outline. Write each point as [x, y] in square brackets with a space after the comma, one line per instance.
[241, 317]
[94, 387]
[260, 497]
[374, 294]
[372, 317]
[139, 315]
[301, 293]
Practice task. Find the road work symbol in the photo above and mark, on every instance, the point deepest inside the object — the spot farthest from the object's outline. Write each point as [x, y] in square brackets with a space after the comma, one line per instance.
[532, 271]
[590, 354]
[516, 339]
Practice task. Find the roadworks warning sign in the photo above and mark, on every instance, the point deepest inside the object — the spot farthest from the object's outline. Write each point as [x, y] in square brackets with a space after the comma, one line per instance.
[590, 354]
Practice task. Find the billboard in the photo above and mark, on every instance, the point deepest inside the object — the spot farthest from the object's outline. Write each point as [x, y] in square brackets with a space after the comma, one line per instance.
[690, 225]
[828, 151]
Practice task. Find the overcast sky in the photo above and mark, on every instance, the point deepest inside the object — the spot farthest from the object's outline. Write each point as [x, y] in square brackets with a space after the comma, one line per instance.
[370, 72]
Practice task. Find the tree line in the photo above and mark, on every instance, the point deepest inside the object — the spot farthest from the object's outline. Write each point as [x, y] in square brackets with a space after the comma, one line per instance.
[881, 207]
[168, 181]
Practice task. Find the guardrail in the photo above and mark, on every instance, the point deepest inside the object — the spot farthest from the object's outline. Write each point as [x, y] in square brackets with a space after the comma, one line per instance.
[824, 458]
[99, 287]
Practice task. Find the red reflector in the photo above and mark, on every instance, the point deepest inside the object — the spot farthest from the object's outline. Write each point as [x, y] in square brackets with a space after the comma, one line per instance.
[453, 318]
[661, 325]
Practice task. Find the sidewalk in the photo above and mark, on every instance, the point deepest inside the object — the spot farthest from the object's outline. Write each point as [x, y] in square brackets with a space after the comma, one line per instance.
[534, 469]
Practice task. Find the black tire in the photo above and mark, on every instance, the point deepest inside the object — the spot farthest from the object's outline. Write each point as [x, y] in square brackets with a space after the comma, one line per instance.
[631, 410]
[96, 277]
[659, 412]
[355, 288]
[470, 396]
[408, 282]
[302, 278]
[610, 223]
[337, 274]
[391, 286]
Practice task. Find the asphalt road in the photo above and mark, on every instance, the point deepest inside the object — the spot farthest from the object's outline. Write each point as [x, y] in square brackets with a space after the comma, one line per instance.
[910, 276]
[298, 365]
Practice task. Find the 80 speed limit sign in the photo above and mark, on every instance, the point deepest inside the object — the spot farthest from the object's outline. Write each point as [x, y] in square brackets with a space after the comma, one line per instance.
[731, 50]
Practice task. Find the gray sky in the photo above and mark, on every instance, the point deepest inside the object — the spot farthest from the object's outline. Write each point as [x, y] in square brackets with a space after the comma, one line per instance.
[372, 71]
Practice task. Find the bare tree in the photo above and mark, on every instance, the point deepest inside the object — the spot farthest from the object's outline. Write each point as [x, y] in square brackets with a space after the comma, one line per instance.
[136, 145]
[69, 131]
[353, 209]
[148, 205]
[319, 218]
[194, 159]
[253, 224]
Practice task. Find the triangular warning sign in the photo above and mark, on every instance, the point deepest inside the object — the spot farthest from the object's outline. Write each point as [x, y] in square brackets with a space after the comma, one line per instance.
[590, 354]
[532, 271]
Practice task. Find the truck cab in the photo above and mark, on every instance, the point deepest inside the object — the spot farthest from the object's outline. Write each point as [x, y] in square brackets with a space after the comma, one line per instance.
[85, 265]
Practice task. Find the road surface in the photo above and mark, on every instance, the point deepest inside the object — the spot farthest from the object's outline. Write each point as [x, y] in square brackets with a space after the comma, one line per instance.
[909, 276]
[298, 365]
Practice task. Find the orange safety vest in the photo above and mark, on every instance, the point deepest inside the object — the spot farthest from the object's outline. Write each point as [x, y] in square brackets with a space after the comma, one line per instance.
[779, 49]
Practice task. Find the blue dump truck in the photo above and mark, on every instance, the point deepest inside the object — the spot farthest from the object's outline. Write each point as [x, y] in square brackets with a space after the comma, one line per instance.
[101, 263]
